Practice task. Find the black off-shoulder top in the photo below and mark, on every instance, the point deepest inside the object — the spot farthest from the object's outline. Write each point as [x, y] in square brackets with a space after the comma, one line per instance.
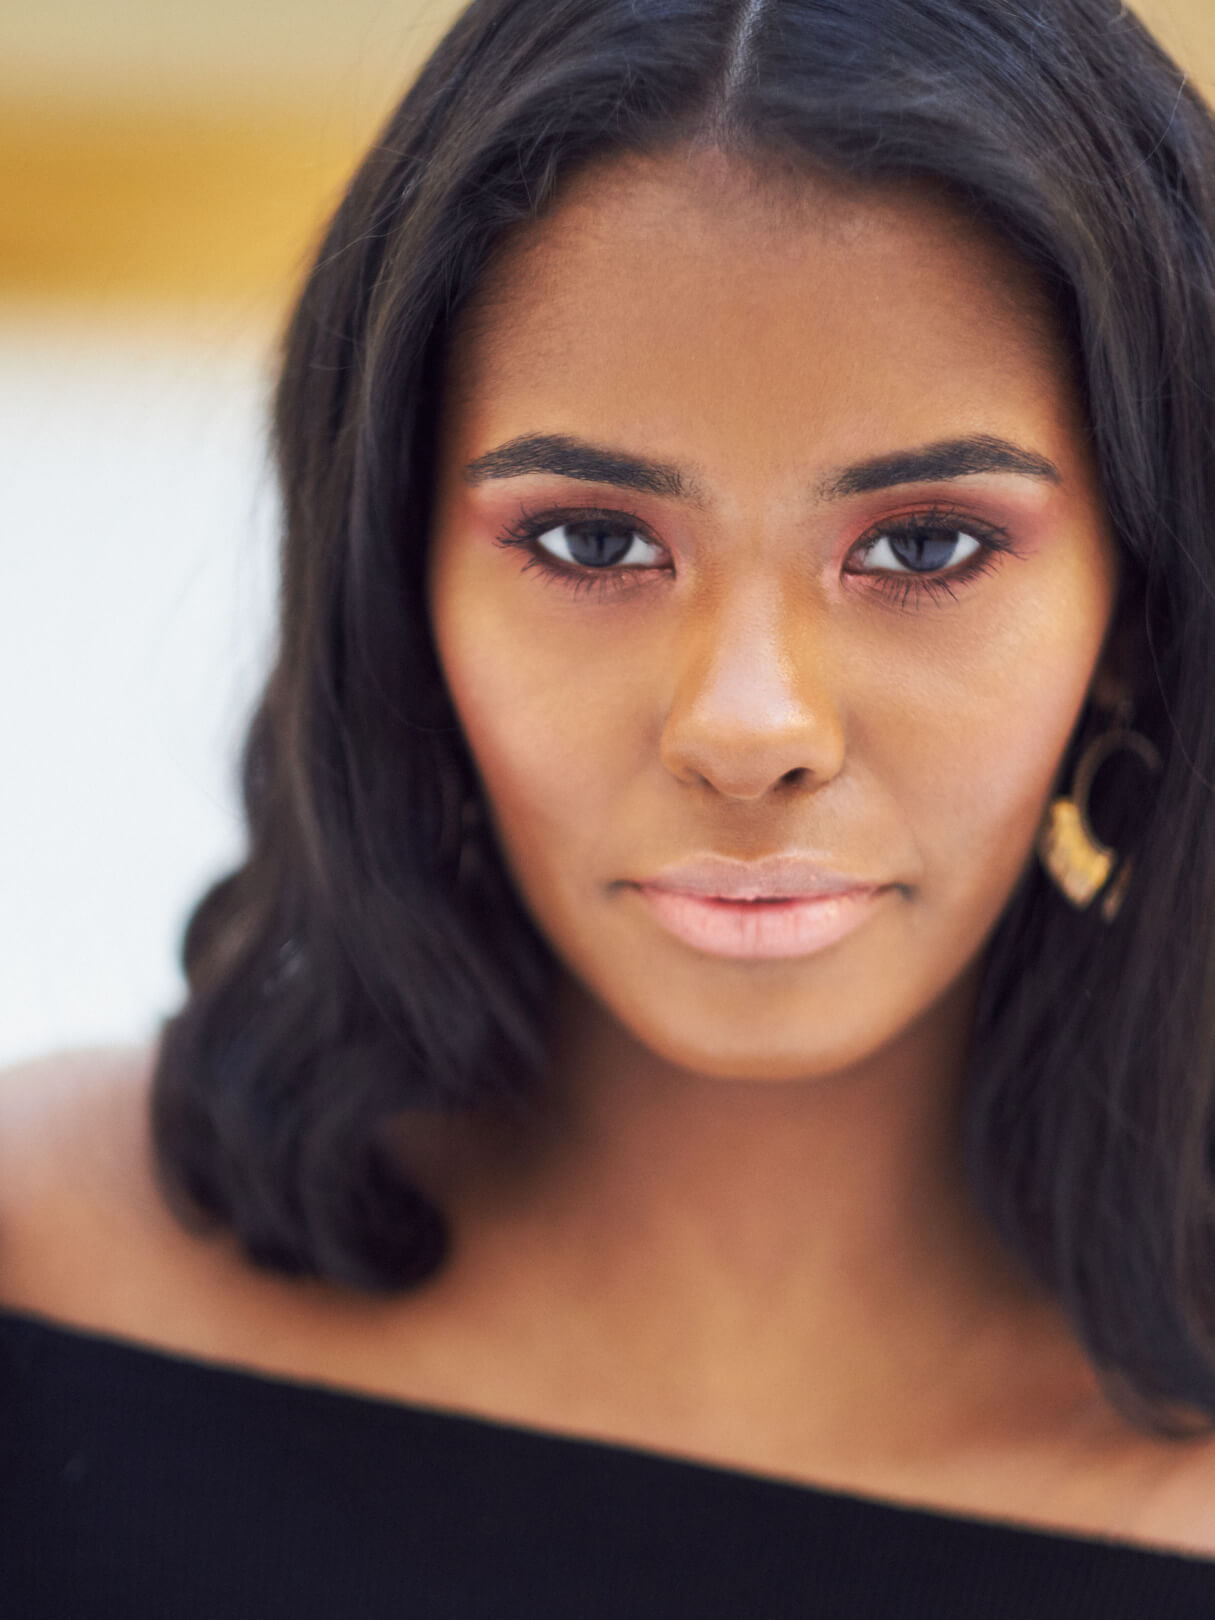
[139, 1485]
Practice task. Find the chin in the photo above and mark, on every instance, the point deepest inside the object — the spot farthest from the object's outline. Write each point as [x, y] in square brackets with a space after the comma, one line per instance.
[728, 1050]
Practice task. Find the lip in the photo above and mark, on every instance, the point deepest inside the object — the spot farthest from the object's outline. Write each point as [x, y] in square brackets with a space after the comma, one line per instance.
[774, 877]
[781, 906]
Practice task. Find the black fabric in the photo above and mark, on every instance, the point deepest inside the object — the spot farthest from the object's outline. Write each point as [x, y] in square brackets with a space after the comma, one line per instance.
[138, 1485]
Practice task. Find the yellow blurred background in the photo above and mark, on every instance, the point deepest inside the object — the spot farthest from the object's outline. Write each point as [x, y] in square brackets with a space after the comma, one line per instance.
[177, 152]
[158, 149]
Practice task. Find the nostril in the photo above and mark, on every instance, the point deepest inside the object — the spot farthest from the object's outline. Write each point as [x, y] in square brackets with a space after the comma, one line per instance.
[795, 778]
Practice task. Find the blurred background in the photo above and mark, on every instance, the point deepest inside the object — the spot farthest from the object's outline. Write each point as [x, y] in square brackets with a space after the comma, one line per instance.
[164, 169]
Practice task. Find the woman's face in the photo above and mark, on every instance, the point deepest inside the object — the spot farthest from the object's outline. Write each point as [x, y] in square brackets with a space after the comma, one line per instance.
[769, 579]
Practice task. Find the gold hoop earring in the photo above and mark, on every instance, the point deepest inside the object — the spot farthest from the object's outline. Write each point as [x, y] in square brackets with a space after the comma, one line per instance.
[1080, 865]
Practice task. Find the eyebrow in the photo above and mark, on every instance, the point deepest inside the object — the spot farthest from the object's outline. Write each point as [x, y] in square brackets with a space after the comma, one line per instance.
[570, 457]
[937, 463]
[575, 458]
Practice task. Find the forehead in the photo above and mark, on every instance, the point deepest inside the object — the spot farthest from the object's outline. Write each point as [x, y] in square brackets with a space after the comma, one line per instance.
[693, 294]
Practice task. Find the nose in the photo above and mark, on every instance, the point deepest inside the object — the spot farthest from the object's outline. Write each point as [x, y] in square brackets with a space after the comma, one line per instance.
[753, 706]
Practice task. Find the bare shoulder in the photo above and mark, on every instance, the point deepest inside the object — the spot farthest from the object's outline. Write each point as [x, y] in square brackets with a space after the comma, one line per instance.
[88, 1239]
[1182, 1510]
[74, 1163]
[70, 1114]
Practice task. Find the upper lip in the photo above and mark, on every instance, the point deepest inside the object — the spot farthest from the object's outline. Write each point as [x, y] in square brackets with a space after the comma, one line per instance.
[774, 877]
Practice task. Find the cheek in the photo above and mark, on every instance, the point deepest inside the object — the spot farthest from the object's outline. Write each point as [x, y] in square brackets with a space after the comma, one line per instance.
[554, 714]
[975, 764]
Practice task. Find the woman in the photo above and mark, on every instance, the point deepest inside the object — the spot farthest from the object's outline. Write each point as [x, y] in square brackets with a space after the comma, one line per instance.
[699, 1099]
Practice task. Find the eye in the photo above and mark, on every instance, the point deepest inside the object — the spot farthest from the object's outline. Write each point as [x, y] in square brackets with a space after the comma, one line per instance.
[596, 542]
[585, 550]
[930, 555]
[920, 549]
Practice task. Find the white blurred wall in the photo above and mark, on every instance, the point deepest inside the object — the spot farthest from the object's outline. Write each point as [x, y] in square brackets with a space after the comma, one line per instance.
[137, 517]
[137, 531]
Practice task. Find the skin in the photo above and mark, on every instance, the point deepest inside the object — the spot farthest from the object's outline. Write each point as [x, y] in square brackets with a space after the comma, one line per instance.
[750, 696]
[780, 1134]
[743, 1234]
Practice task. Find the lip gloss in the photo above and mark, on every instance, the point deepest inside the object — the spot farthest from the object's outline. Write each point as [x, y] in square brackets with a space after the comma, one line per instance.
[756, 930]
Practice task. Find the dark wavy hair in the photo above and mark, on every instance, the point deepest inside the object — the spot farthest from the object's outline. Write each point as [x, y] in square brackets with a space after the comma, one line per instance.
[370, 956]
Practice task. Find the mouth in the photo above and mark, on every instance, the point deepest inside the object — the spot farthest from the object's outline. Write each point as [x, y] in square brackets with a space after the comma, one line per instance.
[760, 927]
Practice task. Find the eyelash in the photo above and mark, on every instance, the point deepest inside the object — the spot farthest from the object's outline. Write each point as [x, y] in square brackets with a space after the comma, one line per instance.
[904, 588]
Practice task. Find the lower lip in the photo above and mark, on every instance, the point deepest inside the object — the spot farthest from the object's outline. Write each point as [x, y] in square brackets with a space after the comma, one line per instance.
[758, 930]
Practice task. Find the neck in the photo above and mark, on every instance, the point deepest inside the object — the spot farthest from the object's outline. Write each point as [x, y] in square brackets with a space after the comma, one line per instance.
[763, 1247]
